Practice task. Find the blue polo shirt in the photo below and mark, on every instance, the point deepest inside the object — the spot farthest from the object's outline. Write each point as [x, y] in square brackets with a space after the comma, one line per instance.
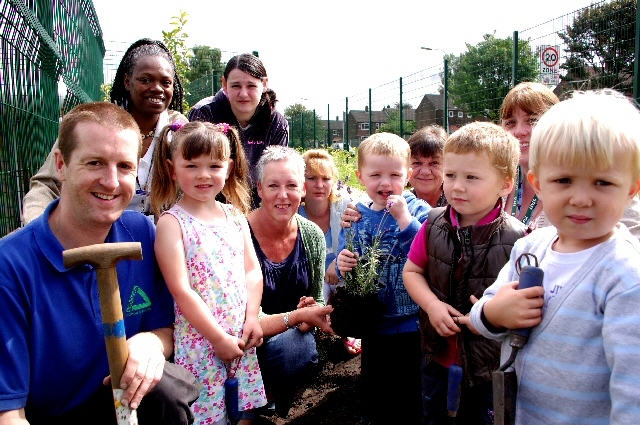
[52, 349]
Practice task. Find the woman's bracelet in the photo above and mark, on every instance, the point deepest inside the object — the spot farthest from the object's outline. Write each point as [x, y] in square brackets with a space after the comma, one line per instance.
[286, 321]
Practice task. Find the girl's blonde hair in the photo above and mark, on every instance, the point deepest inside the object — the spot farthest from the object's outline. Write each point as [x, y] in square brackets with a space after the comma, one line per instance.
[193, 140]
[319, 159]
[586, 131]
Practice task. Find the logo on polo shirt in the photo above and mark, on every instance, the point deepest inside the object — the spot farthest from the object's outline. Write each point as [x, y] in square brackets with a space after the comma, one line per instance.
[139, 302]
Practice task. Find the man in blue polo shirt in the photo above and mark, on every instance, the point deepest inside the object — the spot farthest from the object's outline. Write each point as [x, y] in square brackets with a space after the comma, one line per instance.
[53, 360]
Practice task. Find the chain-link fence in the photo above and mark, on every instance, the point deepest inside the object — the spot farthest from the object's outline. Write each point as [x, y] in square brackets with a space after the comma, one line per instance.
[51, 55]
[52, 59]
[591, 48]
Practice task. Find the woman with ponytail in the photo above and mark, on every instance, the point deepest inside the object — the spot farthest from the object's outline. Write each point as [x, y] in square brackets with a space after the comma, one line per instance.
[246, 102]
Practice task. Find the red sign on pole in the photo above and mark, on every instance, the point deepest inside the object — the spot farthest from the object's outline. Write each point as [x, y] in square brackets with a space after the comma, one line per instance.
[550, 57]
[549, 65]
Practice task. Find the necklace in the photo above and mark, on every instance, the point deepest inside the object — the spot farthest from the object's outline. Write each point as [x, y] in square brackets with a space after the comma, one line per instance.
[149, 134]
[517, 201]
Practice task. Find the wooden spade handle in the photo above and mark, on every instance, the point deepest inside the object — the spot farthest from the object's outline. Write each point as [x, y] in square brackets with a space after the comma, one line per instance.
[115, 337]
[102, 255]
[104, 258]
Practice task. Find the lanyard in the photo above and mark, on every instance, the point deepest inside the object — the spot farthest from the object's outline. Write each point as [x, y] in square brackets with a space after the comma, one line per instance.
[517, 201]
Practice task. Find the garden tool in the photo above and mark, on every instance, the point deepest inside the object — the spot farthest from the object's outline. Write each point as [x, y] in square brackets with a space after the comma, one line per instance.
[505, 386]
[104, 258]
[454, 389]
[231, 399]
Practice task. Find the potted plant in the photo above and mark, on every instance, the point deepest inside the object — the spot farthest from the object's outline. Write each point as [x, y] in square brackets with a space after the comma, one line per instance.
[357, 309]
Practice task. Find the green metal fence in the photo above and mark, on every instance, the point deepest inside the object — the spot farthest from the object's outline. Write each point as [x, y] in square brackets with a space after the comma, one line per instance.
[51, 60]
[590, 48]
[203, 87]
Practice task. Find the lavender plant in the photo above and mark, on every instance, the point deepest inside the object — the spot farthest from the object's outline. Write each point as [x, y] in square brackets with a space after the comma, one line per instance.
[363, 279]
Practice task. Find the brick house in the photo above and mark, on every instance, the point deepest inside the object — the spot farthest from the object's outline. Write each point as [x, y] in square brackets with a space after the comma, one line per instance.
[336, 132]
[431, 109]
[359, 122]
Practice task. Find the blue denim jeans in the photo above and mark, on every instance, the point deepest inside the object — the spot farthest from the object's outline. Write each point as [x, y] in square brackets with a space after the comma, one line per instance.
[287, 361]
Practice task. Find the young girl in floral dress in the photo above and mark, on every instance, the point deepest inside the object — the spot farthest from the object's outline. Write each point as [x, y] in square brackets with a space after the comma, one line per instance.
[217, 288]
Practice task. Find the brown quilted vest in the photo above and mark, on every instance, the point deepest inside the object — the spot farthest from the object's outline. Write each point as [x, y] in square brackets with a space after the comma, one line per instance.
[462, 263]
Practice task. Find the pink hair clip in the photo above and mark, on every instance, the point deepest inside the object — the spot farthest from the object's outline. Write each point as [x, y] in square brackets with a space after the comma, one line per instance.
[177, 125]
[223, 127]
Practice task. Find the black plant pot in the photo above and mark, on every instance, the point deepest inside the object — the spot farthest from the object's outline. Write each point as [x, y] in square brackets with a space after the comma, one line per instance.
[353, 315]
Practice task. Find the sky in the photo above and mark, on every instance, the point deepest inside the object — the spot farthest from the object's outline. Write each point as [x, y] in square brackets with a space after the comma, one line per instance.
[318, 54]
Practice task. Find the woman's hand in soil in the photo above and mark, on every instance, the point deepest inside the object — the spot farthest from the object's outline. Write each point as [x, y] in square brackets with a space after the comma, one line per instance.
[314, 315]
[306, 302]
[441, 317]
[347, 260]
[350, 214]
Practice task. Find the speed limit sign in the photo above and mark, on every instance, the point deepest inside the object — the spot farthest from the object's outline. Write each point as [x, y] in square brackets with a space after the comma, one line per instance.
[549, 65]
[550, 57]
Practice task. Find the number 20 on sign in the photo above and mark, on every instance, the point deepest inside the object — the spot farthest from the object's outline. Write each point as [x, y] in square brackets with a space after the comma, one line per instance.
[549, 64]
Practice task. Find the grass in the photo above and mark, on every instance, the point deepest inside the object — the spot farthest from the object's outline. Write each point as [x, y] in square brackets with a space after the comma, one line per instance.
[347, 163]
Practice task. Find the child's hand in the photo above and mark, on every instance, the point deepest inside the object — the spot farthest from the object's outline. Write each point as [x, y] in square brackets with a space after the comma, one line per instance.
[251, 333]
[350, 214]
[441, 317]
[347, 260]
[466, 320]
[514, 308]
[228, 348]
[330, 276]
[397, 206]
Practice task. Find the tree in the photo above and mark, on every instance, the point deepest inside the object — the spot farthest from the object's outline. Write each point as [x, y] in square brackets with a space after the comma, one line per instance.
[105, 90]
[293, 110]
[405, 105]
[481, 77]
[205, 72]
[298, 115]
[393, 124]
[600, 46]
[204, 61]
[176, 42]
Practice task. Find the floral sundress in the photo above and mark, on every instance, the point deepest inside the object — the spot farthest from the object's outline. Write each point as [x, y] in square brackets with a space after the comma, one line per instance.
[215, 264]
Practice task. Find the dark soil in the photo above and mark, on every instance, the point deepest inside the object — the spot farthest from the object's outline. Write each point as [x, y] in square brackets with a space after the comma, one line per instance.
[353, 315]
[333, 397]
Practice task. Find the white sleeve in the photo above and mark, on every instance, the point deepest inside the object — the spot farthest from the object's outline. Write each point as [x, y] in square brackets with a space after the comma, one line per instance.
[504, 277]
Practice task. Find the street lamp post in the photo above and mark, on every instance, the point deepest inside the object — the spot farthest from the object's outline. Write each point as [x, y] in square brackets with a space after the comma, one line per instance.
[445, 118]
